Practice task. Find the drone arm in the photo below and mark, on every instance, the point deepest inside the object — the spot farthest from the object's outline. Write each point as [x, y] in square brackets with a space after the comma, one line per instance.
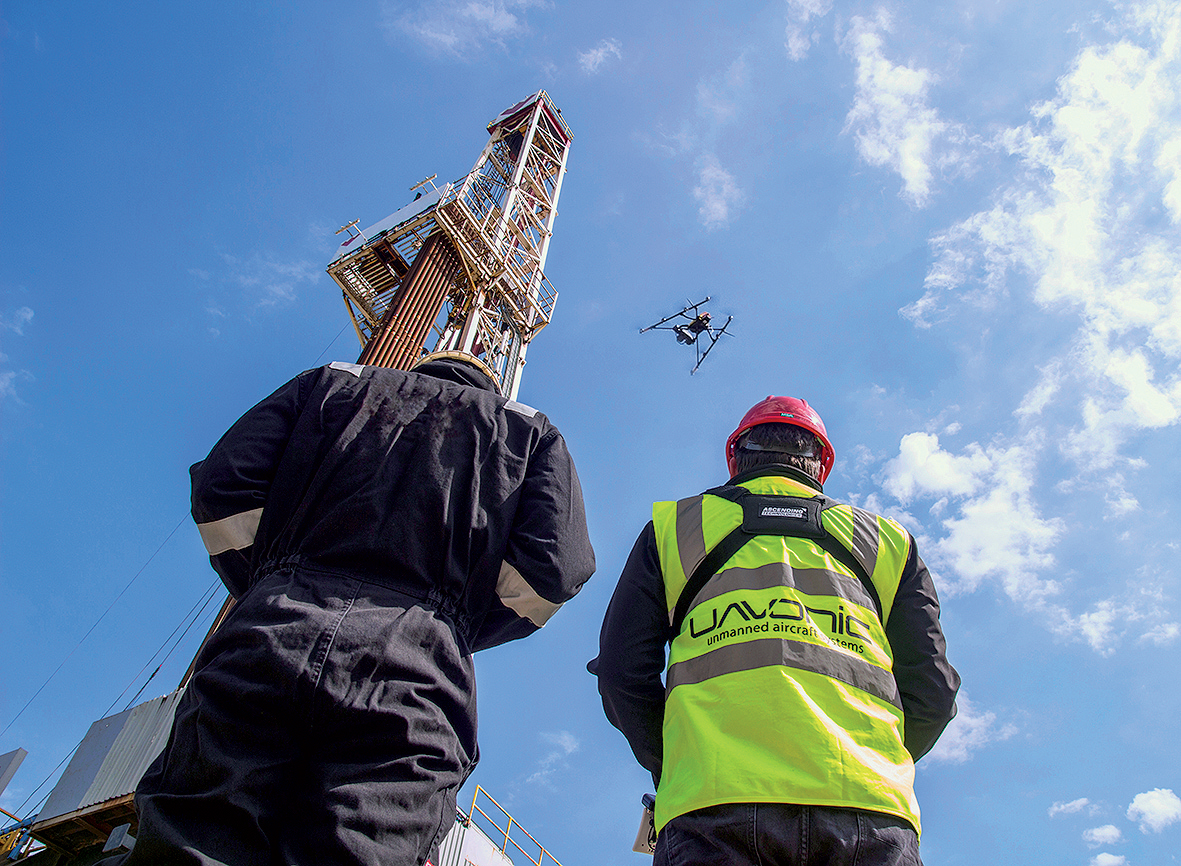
[682, 313]
[713, 342]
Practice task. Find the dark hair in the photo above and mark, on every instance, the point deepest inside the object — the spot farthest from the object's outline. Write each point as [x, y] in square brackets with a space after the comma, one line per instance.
[777, 439]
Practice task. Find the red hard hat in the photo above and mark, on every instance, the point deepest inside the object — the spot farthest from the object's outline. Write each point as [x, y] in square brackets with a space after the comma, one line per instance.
[783, 410]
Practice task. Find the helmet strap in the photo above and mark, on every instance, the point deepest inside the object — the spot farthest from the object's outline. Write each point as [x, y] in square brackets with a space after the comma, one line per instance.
[753, 446]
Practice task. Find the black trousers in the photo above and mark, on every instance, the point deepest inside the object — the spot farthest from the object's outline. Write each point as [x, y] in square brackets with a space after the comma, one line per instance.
[330, 721]
[781, 834]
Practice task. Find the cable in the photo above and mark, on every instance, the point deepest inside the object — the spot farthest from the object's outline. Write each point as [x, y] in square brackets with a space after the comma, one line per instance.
[93, 627]
[41, 802]
[202, 603]
[209, 596]
[329, 346]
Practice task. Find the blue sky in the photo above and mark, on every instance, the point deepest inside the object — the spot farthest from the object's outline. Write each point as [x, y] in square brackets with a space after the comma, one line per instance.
[952, 227]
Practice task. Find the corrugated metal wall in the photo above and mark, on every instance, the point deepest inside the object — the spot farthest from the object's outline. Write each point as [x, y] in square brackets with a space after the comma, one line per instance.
[467, 845]
[112, 757]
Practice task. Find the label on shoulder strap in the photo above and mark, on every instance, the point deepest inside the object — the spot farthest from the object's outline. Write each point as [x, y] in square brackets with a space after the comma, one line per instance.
[794, 516]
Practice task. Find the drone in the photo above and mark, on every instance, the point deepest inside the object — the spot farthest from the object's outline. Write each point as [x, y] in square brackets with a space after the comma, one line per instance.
[696, 324]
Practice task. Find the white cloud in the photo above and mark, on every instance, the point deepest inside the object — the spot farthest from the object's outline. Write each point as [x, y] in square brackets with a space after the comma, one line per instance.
[1086, 230]
[16, 323]
[1072, 807]
[923, 467]
[459, 26]
[9, 380]
[1098, 626]
[994, 529]
[969, 731]
[1119, 500]
[1040, 395]
[1162, 635]
[270, 283]
[717, 194]
[670, 144]
[1141, 608]
[1155, 809]
[565, 744]
[891, 121]
[1109, 860]
[1108, 834]
[593, 58]
[1091, 223]
[718, 96]
[798, 37]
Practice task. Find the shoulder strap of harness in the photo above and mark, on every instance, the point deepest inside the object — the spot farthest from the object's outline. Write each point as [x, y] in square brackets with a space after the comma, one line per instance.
[793, 516]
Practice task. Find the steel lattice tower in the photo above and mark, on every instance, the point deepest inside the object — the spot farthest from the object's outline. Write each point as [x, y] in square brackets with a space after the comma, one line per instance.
[461, 269]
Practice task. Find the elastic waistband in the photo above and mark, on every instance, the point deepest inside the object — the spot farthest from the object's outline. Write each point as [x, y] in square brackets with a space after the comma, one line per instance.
[431, 598]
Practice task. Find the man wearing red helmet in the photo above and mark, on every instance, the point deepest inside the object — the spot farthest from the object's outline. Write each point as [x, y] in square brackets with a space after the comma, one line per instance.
[806, 668]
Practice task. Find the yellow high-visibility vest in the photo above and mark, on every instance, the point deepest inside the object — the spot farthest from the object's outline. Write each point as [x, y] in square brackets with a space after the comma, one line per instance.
[779, 687]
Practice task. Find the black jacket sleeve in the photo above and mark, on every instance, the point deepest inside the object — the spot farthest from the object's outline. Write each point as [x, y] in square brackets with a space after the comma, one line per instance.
[231, 485]
[927, 683]
[632, 654]
[548, 556]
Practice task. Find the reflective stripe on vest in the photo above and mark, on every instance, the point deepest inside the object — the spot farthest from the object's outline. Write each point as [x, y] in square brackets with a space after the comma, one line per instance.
[780, 684]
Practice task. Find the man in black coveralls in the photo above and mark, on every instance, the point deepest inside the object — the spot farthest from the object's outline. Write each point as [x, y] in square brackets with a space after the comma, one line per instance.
[376, 527]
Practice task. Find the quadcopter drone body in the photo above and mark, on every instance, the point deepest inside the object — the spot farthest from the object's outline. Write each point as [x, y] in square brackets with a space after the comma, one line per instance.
[696, 324]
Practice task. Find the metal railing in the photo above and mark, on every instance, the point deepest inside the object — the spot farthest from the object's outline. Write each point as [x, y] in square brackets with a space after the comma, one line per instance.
[543, 855]
[14, 839]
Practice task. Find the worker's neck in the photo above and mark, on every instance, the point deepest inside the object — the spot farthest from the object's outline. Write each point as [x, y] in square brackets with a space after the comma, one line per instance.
[781, 470]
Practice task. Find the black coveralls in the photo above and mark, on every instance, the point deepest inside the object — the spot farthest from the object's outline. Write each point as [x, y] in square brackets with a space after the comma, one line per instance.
[376, 528]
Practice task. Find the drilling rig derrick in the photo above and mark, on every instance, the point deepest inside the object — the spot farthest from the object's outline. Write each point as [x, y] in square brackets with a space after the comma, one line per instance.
[461, 268]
